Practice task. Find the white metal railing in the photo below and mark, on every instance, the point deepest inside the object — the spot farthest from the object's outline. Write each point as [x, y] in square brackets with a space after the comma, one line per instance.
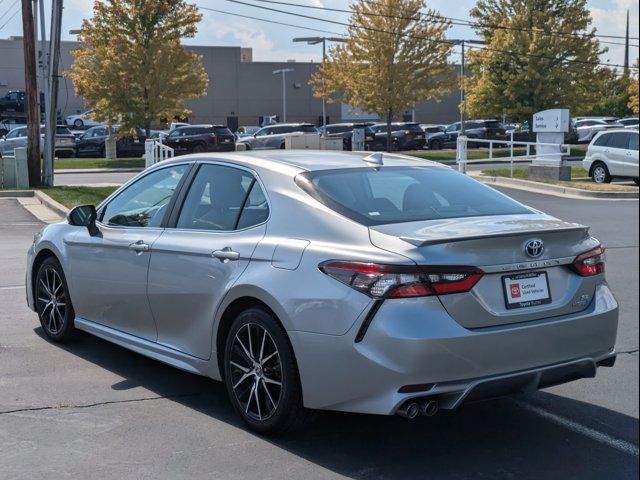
[155, 151]
[560, 150]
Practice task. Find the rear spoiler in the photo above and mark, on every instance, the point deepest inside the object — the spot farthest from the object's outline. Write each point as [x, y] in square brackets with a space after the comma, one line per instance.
[437, 239]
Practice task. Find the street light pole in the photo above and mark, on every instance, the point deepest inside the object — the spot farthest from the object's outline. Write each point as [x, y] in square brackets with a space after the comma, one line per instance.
[316, 41]
[283, 71]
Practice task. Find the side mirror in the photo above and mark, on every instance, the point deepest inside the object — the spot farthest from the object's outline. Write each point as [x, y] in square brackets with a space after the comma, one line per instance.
[84, 216]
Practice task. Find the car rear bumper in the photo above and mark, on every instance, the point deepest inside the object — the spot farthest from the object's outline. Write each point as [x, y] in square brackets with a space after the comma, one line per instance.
[415, 342]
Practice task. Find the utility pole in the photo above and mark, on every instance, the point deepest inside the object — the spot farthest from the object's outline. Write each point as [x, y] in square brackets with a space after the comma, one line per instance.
[463, 97]
[31, 95]
[626, 48]
[54, 77]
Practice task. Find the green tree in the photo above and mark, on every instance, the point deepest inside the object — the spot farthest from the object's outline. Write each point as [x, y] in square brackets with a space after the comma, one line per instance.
[393, 58]
[614, 96]
[633, 91]
[130, 66]
[539, 54]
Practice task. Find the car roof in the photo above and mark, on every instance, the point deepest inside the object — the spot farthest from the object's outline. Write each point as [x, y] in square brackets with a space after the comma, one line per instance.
[616, 130]
[297, 161]
[305, 124]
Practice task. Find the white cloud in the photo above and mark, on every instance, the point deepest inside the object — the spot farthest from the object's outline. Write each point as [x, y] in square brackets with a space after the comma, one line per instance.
[611, 20]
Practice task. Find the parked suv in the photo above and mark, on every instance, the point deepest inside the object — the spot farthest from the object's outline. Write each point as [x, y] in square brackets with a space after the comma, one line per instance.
[404, 135]
[65, 141]
[613, 154]
[201, 138]
[15, 100]
[482, 129]
[273, 137]
[345, 131]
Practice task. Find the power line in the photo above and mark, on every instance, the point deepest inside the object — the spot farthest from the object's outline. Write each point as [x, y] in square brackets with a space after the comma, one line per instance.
[10, 18]
[8, 9]
[458, 21]
[335, 22]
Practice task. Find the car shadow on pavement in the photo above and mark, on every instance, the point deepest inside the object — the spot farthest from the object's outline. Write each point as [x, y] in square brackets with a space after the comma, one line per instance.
[492, 439]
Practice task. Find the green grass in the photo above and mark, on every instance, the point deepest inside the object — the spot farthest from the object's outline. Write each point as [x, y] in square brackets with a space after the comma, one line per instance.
[523, 173]
[577, 151]
[83, 163]
[74, 196]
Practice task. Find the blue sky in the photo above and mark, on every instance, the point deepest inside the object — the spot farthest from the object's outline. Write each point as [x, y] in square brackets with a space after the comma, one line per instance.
[273, 42]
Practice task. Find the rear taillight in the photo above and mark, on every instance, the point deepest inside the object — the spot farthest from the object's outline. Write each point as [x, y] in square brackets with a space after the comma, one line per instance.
[213, 136]
[589, 263]
[402, 281]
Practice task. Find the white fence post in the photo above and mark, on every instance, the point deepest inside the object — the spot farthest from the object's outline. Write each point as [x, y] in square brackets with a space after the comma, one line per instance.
[461, 154]
[511, 154]
[155, 151]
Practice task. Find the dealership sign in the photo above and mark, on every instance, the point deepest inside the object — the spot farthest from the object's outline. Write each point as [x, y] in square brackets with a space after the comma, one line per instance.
[551, 121]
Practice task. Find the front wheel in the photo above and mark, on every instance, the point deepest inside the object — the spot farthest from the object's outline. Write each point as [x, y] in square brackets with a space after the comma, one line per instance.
[435, 145]
[261, 374]
[78, 123]
[600, 173]
[53, 303]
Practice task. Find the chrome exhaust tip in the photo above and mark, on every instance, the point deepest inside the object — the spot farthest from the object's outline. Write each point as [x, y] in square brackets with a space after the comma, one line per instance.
[429, 408]
[409, 410]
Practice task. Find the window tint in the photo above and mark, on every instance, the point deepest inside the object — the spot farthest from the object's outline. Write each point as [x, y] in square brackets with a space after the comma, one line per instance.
[453, 128]
[404, 194]
[493, 124]
[633, 141]
[307, 129]
[221, 131]
[619, 140]
[216, 198]
[339, 129]
[144, 203]
[602, 140]
[63, 131]
[432, 129]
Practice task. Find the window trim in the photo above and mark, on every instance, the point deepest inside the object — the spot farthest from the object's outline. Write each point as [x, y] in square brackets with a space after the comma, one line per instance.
[163, 224]
[179, 204]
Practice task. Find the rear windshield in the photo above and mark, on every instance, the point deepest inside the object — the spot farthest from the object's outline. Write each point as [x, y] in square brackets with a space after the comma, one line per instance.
[307, 129]
[405, 194]
[220, 131]
[493, 124]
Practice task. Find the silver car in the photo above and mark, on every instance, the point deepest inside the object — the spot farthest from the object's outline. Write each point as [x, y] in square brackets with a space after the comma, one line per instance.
[273, 137]
[329, 280]
[16, 138]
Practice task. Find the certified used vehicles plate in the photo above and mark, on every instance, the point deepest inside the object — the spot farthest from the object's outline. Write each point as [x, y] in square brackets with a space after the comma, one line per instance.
[526, 290]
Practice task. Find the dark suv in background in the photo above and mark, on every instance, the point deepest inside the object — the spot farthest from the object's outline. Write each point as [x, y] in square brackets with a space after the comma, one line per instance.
[345, 131]
[482, 129]
[92, 143]
[404, 135]
[201, 138]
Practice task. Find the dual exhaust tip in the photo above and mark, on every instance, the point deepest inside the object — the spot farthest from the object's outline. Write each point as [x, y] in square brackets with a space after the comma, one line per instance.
[411, 410]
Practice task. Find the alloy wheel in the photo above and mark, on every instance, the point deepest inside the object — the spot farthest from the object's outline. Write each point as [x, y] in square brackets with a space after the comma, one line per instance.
[599, 174]
[256, 372]
[52, 299]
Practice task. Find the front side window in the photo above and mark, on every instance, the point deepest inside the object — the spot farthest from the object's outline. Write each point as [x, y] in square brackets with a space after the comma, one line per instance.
[223, 198]
[144, 203]
[405, 194]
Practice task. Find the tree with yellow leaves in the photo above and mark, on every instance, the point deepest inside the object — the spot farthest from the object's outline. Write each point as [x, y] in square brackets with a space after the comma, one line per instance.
[395, 56]
[131, 67]
[633, 90]
[539, 54]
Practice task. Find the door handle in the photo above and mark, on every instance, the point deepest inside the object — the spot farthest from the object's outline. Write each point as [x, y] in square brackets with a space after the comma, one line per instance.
[226, 255]
[139, 247]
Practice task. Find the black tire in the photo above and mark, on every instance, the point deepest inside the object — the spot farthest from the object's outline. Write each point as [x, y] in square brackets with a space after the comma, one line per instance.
[435, 145]
[53, 302]
[198, 148]
[273, 362]
[600, 173]
[283, 146]
[78, 123]
[103, 151]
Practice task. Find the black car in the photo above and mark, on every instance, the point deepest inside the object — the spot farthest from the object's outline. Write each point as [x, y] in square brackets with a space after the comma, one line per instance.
[404, 135]
[521, 134]
[345, 131]
[201, 138]
[482, 129]
[92, 143]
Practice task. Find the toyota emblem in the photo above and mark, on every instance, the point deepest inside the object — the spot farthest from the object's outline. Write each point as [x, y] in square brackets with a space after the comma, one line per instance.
[534, 248]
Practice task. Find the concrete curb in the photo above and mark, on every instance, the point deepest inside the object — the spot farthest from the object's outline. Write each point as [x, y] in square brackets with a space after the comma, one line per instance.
[50, 203]
[97, 170]
[16, 193]
[558, 190]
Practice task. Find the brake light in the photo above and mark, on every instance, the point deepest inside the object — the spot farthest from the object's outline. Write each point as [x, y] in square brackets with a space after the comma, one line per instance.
[214, 136]
[402, 281]
[589, 263]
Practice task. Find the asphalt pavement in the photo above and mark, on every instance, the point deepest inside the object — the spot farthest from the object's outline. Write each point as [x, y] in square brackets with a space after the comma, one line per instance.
[93, 410]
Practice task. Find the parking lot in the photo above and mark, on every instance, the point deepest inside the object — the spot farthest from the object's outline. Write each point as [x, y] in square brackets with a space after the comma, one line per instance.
[91, 409]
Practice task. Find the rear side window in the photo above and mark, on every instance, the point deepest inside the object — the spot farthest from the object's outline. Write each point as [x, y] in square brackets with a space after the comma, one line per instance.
[493, 124]
[223, 198]
[619, 140]
[602, 140]
[633, 141]
[405, 194]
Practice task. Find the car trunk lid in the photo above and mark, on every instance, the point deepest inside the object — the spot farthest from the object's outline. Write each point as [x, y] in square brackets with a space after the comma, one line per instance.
[497, 245]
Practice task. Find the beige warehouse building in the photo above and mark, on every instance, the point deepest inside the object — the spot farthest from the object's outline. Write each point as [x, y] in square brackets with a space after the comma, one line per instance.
[240, 91]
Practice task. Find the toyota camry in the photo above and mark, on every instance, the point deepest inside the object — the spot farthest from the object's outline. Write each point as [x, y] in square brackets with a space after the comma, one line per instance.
[306, 281]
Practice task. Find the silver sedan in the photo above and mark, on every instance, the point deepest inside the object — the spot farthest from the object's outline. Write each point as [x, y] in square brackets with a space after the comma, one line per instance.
[311, 280]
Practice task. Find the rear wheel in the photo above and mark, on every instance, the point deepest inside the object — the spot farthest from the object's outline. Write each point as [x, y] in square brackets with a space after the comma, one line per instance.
[78, 123]
[53, 303]
[261, 374]
[600, 173]
[435, 145]
[198, 148]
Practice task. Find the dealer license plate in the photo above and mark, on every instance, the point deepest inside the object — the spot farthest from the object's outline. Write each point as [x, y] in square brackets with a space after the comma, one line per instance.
[526, 290]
